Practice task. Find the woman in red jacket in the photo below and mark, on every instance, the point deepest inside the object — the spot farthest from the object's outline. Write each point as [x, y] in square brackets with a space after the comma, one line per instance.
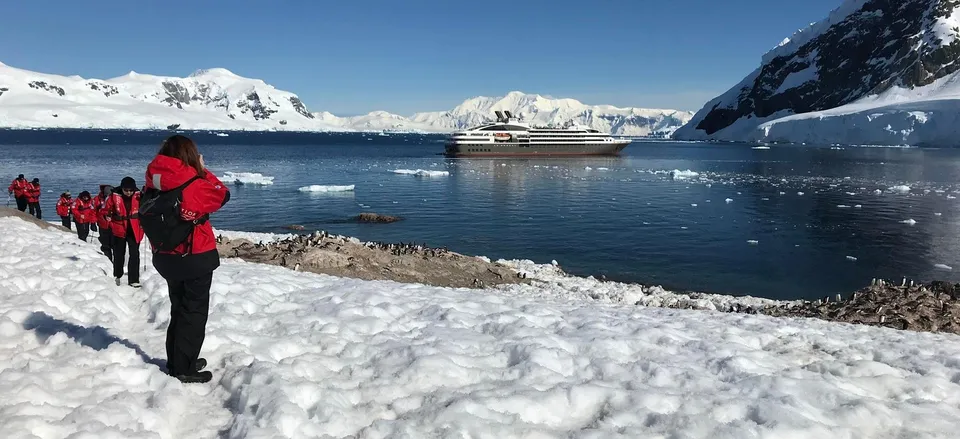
[33, 197]
[64, 205]
[18, 188]
[189, 268]
[85, 214]
[123, 207]
[103, 220]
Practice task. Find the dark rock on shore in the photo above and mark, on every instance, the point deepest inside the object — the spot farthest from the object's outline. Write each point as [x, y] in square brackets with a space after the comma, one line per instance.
[369, 217]
[933, 307]
[348, 257]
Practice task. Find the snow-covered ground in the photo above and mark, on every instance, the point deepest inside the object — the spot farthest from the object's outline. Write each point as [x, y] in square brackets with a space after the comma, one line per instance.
[304, 355]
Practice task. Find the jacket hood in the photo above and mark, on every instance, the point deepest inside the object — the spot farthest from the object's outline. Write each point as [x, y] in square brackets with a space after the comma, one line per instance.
[168, 173]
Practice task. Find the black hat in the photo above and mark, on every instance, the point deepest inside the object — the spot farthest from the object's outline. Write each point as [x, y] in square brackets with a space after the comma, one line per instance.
[36, 180]
[128, 183]
[20, 177]
[84, 194]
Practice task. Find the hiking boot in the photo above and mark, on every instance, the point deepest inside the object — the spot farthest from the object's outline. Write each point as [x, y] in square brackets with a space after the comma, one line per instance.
[135, 285]
[201, 364]
[196, 377]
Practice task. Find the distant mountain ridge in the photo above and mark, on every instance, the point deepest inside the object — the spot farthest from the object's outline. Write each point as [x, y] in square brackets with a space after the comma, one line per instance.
[218, 99]
[873, 72]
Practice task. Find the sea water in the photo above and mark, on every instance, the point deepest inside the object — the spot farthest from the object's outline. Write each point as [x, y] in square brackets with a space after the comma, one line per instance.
[786, 222]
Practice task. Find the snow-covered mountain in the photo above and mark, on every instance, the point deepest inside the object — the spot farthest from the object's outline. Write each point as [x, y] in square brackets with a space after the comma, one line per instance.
[217, 99]
[873, 72]
[539, 110]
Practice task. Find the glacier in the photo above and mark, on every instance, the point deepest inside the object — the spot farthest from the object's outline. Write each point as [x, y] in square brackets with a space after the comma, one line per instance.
[218, 99]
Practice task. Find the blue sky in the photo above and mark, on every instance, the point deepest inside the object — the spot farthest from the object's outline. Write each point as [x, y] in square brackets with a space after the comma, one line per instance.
[403, 56]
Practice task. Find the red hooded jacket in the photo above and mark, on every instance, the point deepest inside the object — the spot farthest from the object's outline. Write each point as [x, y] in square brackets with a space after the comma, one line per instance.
[200, 198]
[120, 218]
[64, 204]
[84, 211]
[33, 192]
[100, 205]
[19, 187]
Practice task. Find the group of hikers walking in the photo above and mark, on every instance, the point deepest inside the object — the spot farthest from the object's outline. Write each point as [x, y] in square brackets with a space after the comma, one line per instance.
[27, 194]
[172, 210]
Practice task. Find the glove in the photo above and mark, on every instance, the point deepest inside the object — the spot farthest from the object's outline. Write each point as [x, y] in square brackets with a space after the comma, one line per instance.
[136, 215]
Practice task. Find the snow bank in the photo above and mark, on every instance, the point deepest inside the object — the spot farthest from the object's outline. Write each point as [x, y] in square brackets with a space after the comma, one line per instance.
[421, 172]
[251, 178]
[322, 188]
[302, 355]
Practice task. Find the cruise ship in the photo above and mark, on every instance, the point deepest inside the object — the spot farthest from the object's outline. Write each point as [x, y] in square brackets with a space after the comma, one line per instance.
[508, 136]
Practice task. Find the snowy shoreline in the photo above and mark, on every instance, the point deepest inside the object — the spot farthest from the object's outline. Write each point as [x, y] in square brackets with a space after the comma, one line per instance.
[304, 355]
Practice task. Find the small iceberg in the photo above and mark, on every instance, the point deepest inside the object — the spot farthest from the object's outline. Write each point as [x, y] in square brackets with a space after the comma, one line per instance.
[943, 267]
[421, 172]
[324, 188]
[682, 175]
[753, 242]
[729, 200]
[851, 258]
[899, 188]
[223, 135]
[760, 147]
[242, 178]
[910, 221]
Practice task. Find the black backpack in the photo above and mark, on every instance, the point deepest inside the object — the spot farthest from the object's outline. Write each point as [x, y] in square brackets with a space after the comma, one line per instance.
[160, 217]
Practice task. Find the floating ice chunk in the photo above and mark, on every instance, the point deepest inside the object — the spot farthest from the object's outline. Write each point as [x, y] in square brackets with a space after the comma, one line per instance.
[423, 172]
[857, 206]
[242, 178]
[752, 242]
[587, 168]
[800, 193]
[843, 206]
[603, 169]
[943, 267]
[850, 193]
[693, 204]
[877, 192]
[899, 188]
[765, 199]
[729, 200]
[323, 188]
[937, 214]
[681, 175]
[851, 258]
[910, 221]
[760, 147]
[950, 197]
[783, 193]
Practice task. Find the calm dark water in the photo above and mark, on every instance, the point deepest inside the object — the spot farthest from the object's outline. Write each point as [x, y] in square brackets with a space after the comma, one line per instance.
[627, 218]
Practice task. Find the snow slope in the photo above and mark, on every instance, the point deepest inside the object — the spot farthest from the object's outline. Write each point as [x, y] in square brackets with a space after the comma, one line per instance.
[304, 355]
[897, 88]
[218, 99]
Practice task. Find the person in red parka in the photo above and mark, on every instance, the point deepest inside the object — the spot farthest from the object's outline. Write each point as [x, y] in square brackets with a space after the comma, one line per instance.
[33, 197]
[188, 269]
[103, 220]
[84, 214]
[64, 205]
[123, 207]
[18, 188]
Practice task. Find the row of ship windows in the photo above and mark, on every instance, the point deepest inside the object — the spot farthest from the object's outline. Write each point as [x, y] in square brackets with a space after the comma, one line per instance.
[520, 146]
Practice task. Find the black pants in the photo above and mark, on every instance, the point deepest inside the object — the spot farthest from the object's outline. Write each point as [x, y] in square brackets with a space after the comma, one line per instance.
[65, 220]
[22, 204]
[106, 241]
[189, 304]
[82, 231]
[120, 246]
[35, 209]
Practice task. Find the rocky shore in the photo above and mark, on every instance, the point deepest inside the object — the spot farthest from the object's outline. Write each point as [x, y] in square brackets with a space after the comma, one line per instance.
[348, 257]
